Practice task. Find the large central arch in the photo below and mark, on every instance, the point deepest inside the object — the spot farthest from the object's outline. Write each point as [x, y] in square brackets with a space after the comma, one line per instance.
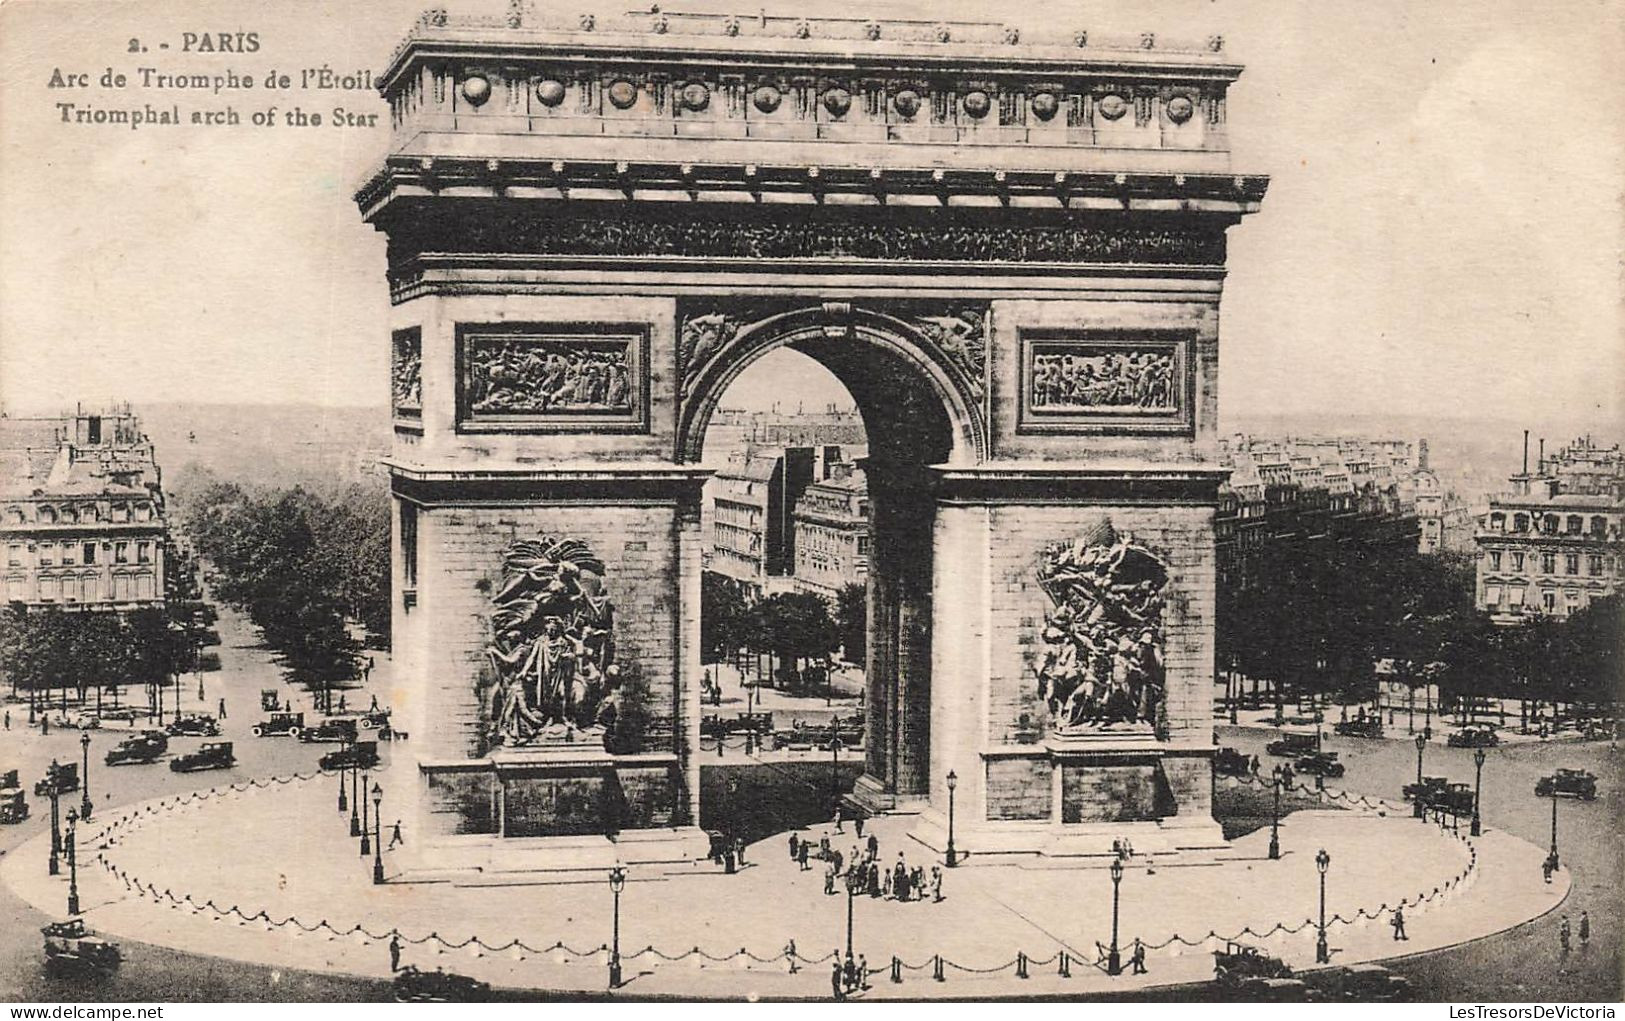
[1011, 253]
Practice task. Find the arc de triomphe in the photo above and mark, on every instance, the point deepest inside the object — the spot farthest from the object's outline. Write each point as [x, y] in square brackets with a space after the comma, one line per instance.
[1010, 250]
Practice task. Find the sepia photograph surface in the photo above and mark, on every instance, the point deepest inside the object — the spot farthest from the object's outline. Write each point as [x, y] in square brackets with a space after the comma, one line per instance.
[509, 501]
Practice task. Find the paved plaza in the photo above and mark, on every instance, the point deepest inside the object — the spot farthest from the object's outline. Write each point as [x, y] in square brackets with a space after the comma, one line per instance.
[259, 854]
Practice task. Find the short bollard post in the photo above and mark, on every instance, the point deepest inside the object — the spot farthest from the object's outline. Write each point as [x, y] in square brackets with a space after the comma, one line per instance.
[896, 969]
[936, 968]
[1021, 964]
[719, 746]
[1066, 965]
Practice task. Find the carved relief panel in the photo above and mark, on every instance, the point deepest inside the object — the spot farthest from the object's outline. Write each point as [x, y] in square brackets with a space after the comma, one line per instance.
[552, 376]
[406, 373]
[1120, 382]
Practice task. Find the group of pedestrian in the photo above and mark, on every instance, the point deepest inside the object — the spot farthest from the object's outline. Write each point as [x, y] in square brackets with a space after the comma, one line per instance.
[1565, 934]
[848, 976]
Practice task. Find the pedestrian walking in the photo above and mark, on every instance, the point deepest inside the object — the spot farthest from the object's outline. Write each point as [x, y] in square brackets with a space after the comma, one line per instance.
[874, 879]
[395, 952]
[936, 884]
[790, 955]
[801, 855]
[374, 707]
[395, 838]
[857, 824]
[838, 819]
[1563, 934]
[8, 719]
[829, 879]
[1546, 869]
[1138, 959]
[1585, 929]
[341, 703]
[863, 972]
[835, 986]
[886, 883]
[222, 713]
[1398, 922]
[44, 725]
[794, 844]
[739, 849]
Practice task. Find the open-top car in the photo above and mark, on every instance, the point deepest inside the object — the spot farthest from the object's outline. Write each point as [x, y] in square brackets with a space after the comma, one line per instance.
[1292, 745]
[1363, 726]
[333, 728]
[357, 755]
[143, 747]
[1360, 983]
[1230, 762]
[1430, 788]
[1238, 963]
[1319, 764]
[415, 986]
[209, 755]
[13, 805]
[1474, 737]
[278, 724]
[61, 777]
[121, 714]
[194, 725]
[70, 949]
[1568, 783]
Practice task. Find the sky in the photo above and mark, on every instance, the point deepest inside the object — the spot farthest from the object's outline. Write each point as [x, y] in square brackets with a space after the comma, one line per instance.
[1442, 231]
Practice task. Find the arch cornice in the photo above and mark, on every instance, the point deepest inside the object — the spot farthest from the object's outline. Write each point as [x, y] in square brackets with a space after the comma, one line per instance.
[945, 343]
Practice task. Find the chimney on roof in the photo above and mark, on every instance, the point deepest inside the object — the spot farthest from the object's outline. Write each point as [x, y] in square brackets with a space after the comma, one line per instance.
[1422, 453]
[1526, 452]
[1540, 464]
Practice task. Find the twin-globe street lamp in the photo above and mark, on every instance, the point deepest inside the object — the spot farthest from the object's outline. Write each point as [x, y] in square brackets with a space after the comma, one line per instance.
[378, 836]
[953, 781]
[56, 826]
[84, 787]
[1275, 818]
[1323, 954]
[617, 882]
[1114, 960]
[1478, 786]
[73, 865]
[366, 831]
[1420, 810]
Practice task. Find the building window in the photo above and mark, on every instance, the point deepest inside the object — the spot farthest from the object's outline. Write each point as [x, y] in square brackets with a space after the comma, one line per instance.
[409, 544]
[1520, 522]
[1492, 596]
[1549, 601]
[1517, 561]
[1594, 564]
[1548, 563]
[1572, 597]
[1495, 560]
[89, 553]
[1599, 526]
[143, 553]
[14, 515]
[1498, 522]
[47, 554]
[1571, 563]
[14, 555]
[1515, 597]
[1575, 524]
[47, 515]
[121, 553]
[67, 554]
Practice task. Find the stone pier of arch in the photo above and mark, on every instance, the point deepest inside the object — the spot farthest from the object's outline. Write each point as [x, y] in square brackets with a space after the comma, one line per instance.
[935, 221]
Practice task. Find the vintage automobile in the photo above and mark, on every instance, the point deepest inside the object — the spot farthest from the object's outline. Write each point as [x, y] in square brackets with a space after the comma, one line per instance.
[714, 725]
[209, 755]
[358, 755]
[1474, 737]
[61, 777]
[1229, 762]
[1319, 764]
[1239, 963]
[1363, 726]
[818, 736]
[143, 747]
[1360, 983]
[79, 719]
[1430, 788]
[1292, 745]
[123, 713]
[270, 700]
[279, 723]
[1455, 798]
[13, 804]
[71, 949]
[10, 779]
[1568, 783]
[1276, 990]
[194, 725]
[415, 986]
[333, 728]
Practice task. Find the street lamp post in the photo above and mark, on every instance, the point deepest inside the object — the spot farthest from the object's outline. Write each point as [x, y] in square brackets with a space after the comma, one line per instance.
[1478, 786]
[1323, 954]
[729, 800]
[1420, 809]
[358, 798]
[835, 767]
[953, 781]
[366, 839]
[854, 886]
[1275, 819]
[378, 837]
[73, 865]
[56, 829]
[1554, 831]
[1114, 960]
[617, 882]
[84, 785]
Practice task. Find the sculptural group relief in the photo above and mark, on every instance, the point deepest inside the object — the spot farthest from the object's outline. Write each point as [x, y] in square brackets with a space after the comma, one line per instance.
[406, 366]
[1084, 378]
[565, 378]
[553, 674]
[1101, 667]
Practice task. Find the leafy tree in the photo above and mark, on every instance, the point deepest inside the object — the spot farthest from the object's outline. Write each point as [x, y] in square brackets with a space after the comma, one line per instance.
[852, 621]
[723, 617]
[794, 626]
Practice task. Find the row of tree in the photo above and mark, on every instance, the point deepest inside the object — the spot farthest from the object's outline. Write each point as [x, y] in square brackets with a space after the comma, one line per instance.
[302, 566]
[793, 627]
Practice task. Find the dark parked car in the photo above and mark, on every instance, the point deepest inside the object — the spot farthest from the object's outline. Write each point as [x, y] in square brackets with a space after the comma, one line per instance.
[1568, 783]
[1229, 762]
[360, 755]
[1361, 983]
[1365, 726]
[1474, 737]
[278, 724]
[1291, 745]
[124, 714]
[194, 725]
[339, 728]
[13, 805]
[59, 776]
[209, 755]
[1238, 963]
[1430, 788]
[1320, 764]
[270, 700]
[143, 747]
[415, 986]
[71, 949]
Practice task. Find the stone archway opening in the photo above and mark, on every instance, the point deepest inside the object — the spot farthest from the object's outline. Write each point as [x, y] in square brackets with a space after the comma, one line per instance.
[915, 419]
